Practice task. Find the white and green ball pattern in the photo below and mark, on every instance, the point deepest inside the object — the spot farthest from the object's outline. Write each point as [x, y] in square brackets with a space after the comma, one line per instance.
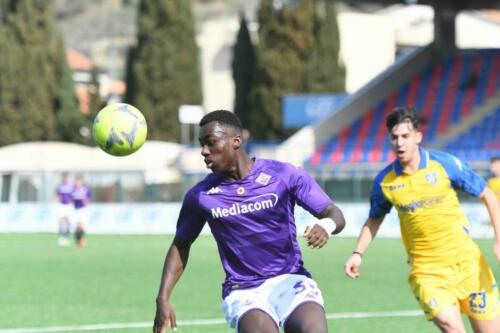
[120, 129]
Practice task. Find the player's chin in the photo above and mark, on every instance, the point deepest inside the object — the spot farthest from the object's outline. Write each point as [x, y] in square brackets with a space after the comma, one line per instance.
[212, 166]
[402, 156]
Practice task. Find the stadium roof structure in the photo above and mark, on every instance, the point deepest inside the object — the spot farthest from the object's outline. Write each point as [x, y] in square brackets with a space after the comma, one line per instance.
[454, 4]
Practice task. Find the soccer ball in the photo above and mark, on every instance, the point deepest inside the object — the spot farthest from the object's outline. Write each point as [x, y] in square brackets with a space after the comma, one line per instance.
[119, 129]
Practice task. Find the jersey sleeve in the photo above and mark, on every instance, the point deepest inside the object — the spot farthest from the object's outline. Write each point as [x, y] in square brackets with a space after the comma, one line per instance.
[379, 205]
[461, 175]
[190, 221]
[308, 194]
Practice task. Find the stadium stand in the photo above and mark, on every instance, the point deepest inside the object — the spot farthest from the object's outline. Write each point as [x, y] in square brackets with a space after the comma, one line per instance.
[456, 88]
[481, 141]
[456, 95]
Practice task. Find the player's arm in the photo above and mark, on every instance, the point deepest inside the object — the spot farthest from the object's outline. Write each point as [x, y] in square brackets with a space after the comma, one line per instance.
[492, 204]
[463, 177]
[175, 263]
[366, 236]
[330, 221]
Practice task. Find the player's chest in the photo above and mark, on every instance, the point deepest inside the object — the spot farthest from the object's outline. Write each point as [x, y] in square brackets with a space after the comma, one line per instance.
[80, 194]
[422, 185]
[65, 189]
[224, 201]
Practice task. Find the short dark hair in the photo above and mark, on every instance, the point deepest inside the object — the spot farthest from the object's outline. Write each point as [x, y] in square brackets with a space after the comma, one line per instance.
[402, 114]
[495, 159]
[223, 117]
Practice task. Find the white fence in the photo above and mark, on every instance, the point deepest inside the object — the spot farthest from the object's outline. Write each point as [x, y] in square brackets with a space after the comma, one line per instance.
[158, 218]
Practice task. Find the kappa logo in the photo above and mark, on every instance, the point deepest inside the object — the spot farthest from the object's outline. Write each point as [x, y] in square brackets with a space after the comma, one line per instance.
[263, 178]
[214, 190]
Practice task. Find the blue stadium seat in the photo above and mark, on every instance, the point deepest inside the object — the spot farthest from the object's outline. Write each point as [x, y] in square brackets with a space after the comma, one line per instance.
[445, 92]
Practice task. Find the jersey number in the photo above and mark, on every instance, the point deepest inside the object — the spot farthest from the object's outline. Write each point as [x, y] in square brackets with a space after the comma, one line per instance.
[477, 300]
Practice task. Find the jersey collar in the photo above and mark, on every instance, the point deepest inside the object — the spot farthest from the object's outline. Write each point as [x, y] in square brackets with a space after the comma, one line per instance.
[424, 158]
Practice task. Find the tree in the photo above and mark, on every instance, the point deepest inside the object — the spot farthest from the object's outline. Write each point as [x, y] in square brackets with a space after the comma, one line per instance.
[34, 85]
[69, 120]
[297, 53]
[95, 101]
[244, 64]
[324, 73]
[285, 42]
[163, 68]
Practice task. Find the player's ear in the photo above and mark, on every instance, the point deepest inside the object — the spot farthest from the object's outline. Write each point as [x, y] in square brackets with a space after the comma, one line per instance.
[419, 137]
[237, 142]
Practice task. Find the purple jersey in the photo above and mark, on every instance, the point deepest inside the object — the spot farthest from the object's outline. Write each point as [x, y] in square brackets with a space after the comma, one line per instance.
[252, 220]
[80, 196]
[64, 192]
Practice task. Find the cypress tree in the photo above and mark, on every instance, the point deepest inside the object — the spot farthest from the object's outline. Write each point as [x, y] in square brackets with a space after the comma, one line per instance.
[285, 42]
[10, 117]
[163, 68]
[95, 103]
[244, 62]
[69, 120]
[324, 73]
[32, 60]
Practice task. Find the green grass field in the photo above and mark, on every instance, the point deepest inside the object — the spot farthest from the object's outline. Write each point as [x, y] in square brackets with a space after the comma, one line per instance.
[114, 280]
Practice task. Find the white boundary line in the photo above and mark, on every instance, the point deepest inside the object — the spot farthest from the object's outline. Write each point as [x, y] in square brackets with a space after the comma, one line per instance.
[196, 322]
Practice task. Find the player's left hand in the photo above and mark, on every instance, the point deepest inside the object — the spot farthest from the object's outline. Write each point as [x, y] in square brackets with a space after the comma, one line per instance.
[165, 317]
[316, 236]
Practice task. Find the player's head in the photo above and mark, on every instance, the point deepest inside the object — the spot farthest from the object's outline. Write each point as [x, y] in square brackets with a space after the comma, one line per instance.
[220, 140]
[495, 166]
[403, 124]
[79, 181]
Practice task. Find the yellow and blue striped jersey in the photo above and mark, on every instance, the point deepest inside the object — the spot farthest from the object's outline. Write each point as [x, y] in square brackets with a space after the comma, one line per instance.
[433, 227]
[494, 184]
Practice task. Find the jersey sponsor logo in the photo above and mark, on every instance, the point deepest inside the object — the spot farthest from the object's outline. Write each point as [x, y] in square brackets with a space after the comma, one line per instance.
[395, 186]
[250, 205]
[214, 190]
[424, 203]
[263, 178]
[431, 178]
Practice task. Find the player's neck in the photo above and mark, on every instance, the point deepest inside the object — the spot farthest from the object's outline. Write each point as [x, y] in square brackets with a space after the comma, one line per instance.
[241, 168]
[411, 165]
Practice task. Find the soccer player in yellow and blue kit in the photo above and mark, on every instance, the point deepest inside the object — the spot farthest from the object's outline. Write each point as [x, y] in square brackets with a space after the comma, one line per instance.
[448, 273]
[494, 182]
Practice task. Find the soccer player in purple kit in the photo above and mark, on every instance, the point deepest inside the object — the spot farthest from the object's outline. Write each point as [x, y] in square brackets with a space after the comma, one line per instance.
[249, 204]
[64, 209]
[81, 197]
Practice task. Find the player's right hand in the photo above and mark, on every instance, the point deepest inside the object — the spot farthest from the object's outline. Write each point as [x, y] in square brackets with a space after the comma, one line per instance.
[351, 267]
[165, 317]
